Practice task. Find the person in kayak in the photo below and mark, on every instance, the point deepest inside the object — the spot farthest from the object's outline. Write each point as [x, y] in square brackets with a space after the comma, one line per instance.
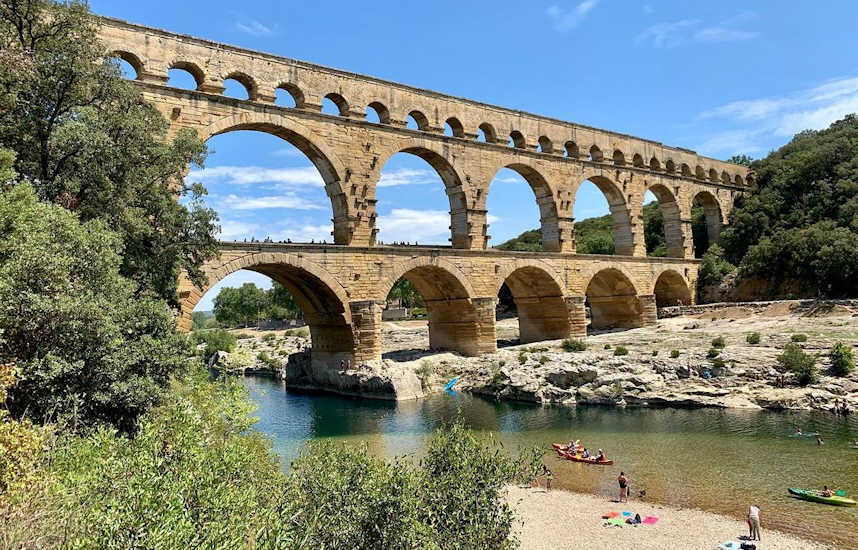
[624, 487]
[601, 456]
[826, 492]
[585, 454]
[754, 522]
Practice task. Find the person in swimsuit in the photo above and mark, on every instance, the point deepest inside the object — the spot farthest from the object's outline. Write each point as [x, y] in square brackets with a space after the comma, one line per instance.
[548, 477]
[624, 487]
[754, 522]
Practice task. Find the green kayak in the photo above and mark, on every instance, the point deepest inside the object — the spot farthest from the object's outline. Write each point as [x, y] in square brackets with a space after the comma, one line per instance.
[814, 496]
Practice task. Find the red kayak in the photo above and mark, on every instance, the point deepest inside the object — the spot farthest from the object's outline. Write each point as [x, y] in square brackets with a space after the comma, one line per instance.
[576, 458]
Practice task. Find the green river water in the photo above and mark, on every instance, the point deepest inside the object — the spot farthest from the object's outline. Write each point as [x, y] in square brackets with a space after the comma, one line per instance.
[715, 460]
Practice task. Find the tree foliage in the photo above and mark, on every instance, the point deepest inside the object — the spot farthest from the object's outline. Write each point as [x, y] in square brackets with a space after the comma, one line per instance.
[405, 293]
[86, 140]
[84, 345]
[250, 304]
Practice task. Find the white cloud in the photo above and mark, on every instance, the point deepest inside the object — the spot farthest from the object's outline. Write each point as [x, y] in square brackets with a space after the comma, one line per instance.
[253, 28]
[670, 34]
[408, 176]
[567, 19]
[769, 119]
[231, 230]
[234, 202]
[423, 226]
[304, 233]
[245, 175]
[287, 152]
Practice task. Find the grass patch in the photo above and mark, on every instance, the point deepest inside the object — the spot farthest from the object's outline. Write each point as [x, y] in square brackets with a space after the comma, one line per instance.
[798, 337]
[718, 342]
[753, 338]
[713, 353]
[620, 351]
[674, 353]
[573, 345]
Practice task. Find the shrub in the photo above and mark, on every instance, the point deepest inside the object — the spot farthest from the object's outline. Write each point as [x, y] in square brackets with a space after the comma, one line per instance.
[842, 359]
[674, 353]
[621, 351]
[712, 353]
[617, 391]
[425, 371]
[215, 340]
[718, 342]
[302, 332]
[269, 338]
[270, 362]
[718, 363]
[713, 267]
[607, 346]
[501, 363]
[543, 359]
[795, 360]
[522, 358]
[571, 344]
[753, 338]
[799, 337]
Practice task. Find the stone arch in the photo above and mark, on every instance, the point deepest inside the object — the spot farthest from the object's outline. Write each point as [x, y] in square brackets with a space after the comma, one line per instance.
[713, 214]
[613, 300]
[340, 102]
[545, 145]
[420, 119]
[518, 140]
[725, 177]
[671, 213]
[245, 80]
[700, 173]
[654, 164]
[457, 321]
[381, 111]
[456, 127]
[685, 170]
[713, 174]
[130, 58]
[570, 149]
[619, 158]
[192, 68]
[322, 299]
[738, 180]
[294, 91]
[638, 161]
[671, 289]
[545, 200]
[540, 300]
[596, 154]
[489, 132]
[329, 166]
[623, 235]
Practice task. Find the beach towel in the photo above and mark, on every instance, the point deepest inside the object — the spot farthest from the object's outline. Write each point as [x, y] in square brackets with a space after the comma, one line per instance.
[729, 545]
[611, 515]
[627, 514]
[650, 520]
[617, 521]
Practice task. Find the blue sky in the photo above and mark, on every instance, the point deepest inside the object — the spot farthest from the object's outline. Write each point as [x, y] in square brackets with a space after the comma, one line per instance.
[718, 77]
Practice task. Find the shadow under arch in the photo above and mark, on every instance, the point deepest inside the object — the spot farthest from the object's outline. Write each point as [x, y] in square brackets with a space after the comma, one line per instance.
[323, 301]
[714, 219]
[613, 301]
[672, 220]
[671, 289]
[620, 216]
[539, 299]
[544, 195]
[325, 161]
[456, 317]
[455, 190]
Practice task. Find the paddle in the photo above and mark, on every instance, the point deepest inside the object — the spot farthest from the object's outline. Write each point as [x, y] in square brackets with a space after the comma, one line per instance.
[840, 493]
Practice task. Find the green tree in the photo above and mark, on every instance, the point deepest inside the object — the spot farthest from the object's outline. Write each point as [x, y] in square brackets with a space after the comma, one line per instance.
[842, 359]
[714, 267]
[405, 293]
[86, 348]
[741, 160]
[281, 304]
[656, 244]
[243, 305]
[86, 140]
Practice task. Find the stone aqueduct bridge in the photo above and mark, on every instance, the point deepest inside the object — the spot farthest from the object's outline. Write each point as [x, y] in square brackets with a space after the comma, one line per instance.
[341, 287]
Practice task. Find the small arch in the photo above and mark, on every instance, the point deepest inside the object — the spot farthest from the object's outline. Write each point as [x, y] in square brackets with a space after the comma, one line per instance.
[570, 148]
[545, 145]
[339, 102]
[131, 59]
[596, 154]
[246, 81]
[654, 164]
[685, 170]
[380, 111]
[419, 120]
[488, 133]
[539, 301]
[713, 174]
[725, 177]
[548, 214]
[619, 158]
[293, 91]
[191, 68]
[700, 173]
[517, 140]
[738, 180]
[638, 161]
[670, 166]
[621, 230]
[672, 220]
[713, 220]
[613, 301]
[454, 127]
[671, 289]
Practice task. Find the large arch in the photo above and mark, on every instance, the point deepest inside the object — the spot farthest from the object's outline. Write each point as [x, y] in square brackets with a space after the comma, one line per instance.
[458, 321]
[539, 299]
[613, 300]
[544, 195]
[322, 158]
[673, 237]
[671, 289]
[714, 218]
[622, 223]
[323, 301]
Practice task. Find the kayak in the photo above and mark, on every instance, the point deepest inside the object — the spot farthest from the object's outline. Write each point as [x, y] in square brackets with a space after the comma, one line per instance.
[576, 458]
[813, 496]
[561, 448]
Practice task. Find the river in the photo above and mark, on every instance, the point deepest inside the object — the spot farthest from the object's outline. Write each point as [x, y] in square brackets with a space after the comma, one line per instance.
[712, 459]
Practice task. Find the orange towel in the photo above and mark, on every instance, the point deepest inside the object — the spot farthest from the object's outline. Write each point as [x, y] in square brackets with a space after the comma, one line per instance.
[611, 515]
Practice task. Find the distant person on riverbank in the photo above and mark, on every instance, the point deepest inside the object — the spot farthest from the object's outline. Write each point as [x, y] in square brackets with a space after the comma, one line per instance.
[754, 522]
[798, 430]
[548, 477]
[819, 441]
[624, 487]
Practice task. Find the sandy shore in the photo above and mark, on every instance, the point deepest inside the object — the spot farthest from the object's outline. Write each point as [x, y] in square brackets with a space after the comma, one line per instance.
[560, 519]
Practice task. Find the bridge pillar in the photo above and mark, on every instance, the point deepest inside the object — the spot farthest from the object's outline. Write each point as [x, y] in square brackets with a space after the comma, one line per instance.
[649, 311]
[577, 316]
[463, 325]
[541, 319]
[366, 328]
[687, 248]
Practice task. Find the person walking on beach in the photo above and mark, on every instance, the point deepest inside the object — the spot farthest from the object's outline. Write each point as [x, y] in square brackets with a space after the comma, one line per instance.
[624, 487]
[548, 476]
[754, 522]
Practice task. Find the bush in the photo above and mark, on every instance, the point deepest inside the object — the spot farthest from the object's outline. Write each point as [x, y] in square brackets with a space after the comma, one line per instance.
[718, 342]
[713, 267]
[753, 338]
[674, 353]
[617, 391]
[269, 338]
[215, 340]
[712, 353]
[522, 358]
[607, 346]
[425, 371]
[842, 359]
[795, 360]
[543, 359]
[798, 337]
[571, 344]
[270, 362]
[621, 351]
[718, 363]
[302, 332]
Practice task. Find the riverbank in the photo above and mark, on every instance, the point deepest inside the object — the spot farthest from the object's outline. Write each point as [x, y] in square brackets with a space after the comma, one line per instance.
[559, 519]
